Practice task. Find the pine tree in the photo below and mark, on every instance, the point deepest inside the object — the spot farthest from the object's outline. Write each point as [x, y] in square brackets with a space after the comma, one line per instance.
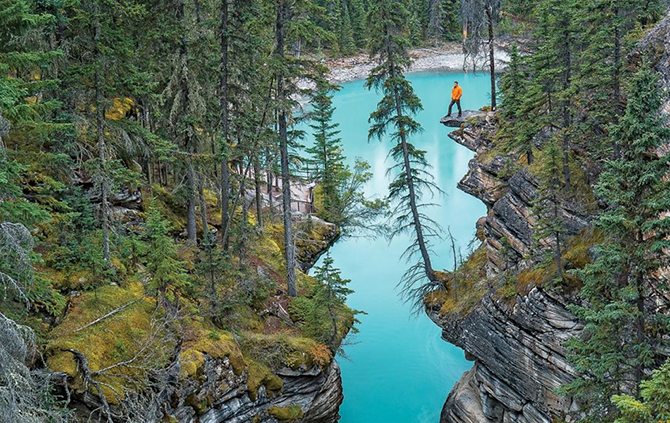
[25, 104]
[345, 31]
[291, 24]
[605, 25]
[554, 70]
[481, 18]
[224, 106]
[358, 18]
[622, 327]
[186, 107]
[388, 26]
[654, 403]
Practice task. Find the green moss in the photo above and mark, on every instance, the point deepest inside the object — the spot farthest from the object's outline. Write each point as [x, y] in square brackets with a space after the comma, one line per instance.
[112, 340]
[576, 256]
[283, 349]
[167, 204]
[260, 375]
[286, 414]
[464, 287]
[202, 340]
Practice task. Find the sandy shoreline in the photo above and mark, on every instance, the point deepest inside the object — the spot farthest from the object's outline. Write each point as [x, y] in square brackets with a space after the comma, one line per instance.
[446, 57]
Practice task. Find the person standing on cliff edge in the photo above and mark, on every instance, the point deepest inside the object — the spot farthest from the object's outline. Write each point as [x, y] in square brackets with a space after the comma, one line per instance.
[456, 94]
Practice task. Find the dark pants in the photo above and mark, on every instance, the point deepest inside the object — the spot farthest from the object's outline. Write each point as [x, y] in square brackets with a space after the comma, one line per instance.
[458, 103]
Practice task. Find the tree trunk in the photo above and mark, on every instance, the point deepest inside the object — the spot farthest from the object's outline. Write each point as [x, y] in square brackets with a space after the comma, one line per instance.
[428, 267]
[492, 61]
[616, 78]
[203, 207]
[191, 229]
[567, 76]
[269, 178]
[257, 187]
[223, 104]
[283, 146]
[558, 249]
[99, 123]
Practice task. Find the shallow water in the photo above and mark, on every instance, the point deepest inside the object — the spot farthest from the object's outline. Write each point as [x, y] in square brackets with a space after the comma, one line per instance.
[399, 370]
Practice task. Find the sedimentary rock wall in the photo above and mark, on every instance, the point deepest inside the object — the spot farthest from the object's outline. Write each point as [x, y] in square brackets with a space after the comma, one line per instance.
[222, 396]
[517, 343]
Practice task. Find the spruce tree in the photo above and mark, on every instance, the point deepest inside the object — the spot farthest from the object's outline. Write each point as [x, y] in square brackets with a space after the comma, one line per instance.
[623, 331]
[331, 294]
[654, 403]
[549, 227]
[165, 272]
[291, 24]
[388, 26]
[326, 153]
[605, 28]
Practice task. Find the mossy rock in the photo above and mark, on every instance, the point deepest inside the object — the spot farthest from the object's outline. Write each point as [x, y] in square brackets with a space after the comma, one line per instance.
[285, 350]
[291, 413]
[260, 375]
[202, 340]
[463, 288]
[112, 340]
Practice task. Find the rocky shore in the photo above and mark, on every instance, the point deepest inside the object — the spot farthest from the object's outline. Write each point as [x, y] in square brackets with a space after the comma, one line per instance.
[445, 57]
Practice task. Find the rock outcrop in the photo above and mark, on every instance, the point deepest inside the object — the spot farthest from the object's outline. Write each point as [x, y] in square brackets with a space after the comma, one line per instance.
[515, 341]
[509, 194]
[223, 396]
[519, 359]
[455, 121]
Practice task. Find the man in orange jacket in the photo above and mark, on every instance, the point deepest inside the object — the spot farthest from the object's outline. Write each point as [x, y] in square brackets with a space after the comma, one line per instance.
[456, 94]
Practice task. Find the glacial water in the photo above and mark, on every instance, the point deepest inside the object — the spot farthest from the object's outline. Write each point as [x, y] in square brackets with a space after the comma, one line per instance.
[399, 370]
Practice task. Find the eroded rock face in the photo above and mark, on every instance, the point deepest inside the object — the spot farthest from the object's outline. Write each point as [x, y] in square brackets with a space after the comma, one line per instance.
[221, 396]
[509, 195]
[516, 343]
[520, 360]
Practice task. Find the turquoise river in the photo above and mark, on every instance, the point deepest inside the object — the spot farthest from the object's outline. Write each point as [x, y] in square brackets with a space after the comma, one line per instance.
[398, 369]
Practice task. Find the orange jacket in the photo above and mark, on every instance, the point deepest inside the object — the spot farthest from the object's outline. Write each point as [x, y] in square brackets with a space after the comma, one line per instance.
[456, 93]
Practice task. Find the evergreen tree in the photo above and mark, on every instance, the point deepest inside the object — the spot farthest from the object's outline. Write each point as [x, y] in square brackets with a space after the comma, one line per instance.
[330, 295]
[185, 108]
[654, 403]
[521, 111]
[604, 27]
[481, 18]
[345, 35]
[388, 26]
[326, 152]
[359, 26]
[291, 24]
[550, 227]
[623, 329]
[164, 270]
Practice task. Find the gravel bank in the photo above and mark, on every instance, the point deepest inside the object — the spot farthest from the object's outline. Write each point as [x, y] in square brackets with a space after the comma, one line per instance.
[448, 57]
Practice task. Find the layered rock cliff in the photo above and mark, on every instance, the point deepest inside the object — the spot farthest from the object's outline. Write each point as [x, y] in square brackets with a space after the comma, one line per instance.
[514, 328]
[514, 339]
[311, 395]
